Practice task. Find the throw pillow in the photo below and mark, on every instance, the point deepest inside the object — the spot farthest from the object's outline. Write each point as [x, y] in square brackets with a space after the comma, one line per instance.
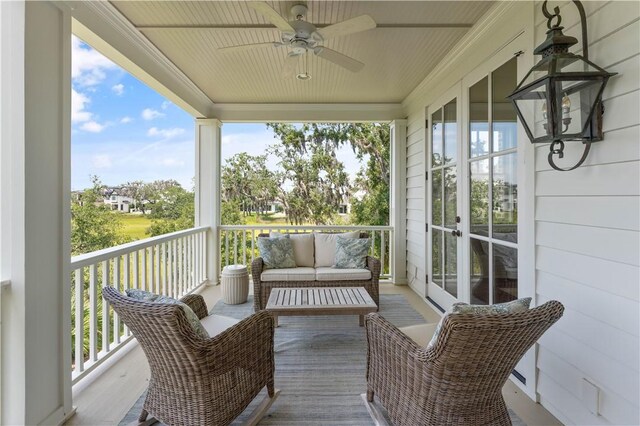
[351, 253]
[302, 248]
[512, 307]
[276, 253]
[193, 319]
[325, 247]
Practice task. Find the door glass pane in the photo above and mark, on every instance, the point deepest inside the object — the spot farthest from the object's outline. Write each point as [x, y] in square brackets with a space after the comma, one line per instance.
[479, 272]
[479, 118]
[436, 138]
[505, 273]
[505, 198]
[450, 197]
[436, 197]
[503, 81]
[451, 264]
[479, 193]
[436, 256]
[450, 133]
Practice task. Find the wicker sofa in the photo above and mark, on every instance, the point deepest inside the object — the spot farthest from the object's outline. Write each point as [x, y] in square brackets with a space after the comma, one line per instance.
[265, 280]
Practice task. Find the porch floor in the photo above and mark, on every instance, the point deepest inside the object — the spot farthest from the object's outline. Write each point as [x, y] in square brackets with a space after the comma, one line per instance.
[108, 398]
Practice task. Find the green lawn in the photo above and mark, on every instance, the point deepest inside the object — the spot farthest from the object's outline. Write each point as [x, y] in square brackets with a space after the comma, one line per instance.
[135, 225]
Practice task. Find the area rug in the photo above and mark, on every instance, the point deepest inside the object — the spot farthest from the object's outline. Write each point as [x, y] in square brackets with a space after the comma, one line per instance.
[320, 366]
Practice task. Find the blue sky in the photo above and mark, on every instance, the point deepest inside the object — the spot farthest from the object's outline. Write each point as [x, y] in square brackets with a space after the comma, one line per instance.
[123, 131]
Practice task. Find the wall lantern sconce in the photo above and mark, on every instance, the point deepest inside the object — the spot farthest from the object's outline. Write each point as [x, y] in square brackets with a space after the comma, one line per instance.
[559, 99]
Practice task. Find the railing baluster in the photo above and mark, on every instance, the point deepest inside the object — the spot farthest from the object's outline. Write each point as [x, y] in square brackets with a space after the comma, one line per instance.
[136, 275]
[116, 285]
[152, 274]
[253, 245]
[156, 266]
[105, 308]
[235, 247]
[127, 282]
[174, 266]
[244, 247]
[79, 321]
[382, 250]
[93, 312]
[163, 267]
[143, 269]
[185, 277]
[227, 248]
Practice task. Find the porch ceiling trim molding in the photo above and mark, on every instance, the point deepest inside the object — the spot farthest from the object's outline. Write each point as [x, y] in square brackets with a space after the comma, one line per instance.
[308, 112]
[490, 21]
[108, 31]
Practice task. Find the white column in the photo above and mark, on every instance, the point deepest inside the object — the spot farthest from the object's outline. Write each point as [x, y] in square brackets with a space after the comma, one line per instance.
[35, 119]
[398, 200]
[208, 143]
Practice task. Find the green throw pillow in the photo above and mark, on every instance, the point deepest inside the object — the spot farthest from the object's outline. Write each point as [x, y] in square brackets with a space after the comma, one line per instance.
[351, 253]
[277, 252]
[512, 307]
[193, 319]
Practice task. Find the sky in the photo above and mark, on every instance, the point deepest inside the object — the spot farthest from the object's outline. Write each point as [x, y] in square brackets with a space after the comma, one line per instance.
[124, 131]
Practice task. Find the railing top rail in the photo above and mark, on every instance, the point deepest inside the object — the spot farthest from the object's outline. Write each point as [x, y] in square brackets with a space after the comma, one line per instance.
[305, 227]
[111, 252]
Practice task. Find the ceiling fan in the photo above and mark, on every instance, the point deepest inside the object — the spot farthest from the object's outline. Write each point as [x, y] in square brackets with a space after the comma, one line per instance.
[302, 36]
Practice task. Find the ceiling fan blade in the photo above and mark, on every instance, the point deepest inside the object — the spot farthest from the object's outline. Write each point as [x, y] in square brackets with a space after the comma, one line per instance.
[290, 65]
[243, 47]
[338, 58]
[350, 26]
[274, 17]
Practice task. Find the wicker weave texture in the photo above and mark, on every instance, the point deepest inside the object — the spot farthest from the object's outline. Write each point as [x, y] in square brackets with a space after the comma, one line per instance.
[197, 381]
[459, 380]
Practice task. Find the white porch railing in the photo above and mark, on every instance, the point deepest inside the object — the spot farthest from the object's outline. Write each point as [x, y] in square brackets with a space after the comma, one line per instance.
[172, 264]
[238, 242]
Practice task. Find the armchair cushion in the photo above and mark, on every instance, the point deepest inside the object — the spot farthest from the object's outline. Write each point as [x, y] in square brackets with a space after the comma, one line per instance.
[421, 333]
[351, 253]
[276, 252]
[216, 324]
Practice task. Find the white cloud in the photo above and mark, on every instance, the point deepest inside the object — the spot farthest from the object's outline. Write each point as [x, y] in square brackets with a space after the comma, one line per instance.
[165, 133]
[93, 127]
[172, 162]
[101, 161]
[150, 114]
[125, 120]
[79, 102]
[88, 66]
[165, 105]
[118, 89]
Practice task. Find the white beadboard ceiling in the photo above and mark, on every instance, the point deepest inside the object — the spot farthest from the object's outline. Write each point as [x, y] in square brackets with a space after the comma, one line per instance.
[411, 38]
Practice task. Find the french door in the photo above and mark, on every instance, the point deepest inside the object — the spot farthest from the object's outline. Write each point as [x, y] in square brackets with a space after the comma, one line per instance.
[444, 171]
[480, 197]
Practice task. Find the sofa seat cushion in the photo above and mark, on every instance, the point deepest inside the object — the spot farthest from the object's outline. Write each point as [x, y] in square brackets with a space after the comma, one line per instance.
[289, 274]
[333, 274]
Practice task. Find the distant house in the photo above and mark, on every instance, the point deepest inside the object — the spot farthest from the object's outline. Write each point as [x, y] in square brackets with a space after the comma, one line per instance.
[116, 201]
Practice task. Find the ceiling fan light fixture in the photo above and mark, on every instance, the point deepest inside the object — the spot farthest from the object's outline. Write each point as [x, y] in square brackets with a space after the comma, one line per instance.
[304, 76]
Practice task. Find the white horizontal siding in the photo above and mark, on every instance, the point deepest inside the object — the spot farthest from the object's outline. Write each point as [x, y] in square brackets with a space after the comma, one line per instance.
[415, 202]
[588, 239]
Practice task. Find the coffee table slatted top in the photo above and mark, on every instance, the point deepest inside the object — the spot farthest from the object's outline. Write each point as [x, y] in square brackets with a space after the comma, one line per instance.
[321, 301]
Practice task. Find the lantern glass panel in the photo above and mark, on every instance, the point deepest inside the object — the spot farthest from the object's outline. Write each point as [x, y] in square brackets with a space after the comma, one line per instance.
[575, 100]
[535, 110]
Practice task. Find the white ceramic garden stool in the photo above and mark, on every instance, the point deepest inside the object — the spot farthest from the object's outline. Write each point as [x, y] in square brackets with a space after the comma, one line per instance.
[235, 284]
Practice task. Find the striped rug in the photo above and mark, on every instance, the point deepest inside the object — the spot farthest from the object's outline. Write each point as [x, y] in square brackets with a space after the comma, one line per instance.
[320, 366]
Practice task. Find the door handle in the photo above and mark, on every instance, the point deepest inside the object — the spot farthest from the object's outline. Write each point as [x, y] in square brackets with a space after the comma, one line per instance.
[456, 233]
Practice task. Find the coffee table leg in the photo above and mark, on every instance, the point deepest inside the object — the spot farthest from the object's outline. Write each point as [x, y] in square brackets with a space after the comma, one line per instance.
[361, 320]
[275, 319]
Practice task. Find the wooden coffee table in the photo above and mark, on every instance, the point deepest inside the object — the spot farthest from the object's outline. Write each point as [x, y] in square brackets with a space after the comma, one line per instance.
[321, 301]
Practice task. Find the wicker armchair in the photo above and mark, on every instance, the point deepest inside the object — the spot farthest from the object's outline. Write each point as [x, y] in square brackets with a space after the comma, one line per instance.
[459, 380]
[197, 381]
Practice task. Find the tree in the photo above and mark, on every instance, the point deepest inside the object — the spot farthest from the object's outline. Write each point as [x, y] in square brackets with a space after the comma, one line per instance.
[318, 181]
[173, 211]
[247, 181]
[93, 225]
